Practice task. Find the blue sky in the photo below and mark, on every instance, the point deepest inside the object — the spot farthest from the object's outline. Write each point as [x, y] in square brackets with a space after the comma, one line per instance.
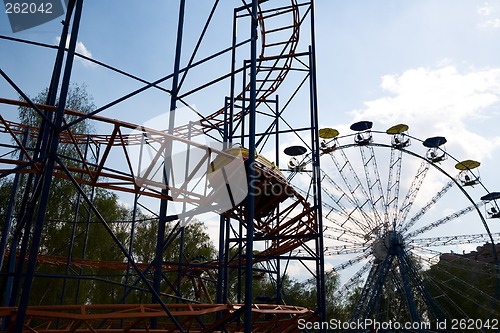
[364, 49]
[375, 59]
[431, 64]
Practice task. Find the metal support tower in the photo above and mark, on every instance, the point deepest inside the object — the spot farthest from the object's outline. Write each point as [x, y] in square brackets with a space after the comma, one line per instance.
[272, 103]
[263, 126]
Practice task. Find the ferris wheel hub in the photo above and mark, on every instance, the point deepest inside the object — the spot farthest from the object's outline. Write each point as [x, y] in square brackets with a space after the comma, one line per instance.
[387, 243]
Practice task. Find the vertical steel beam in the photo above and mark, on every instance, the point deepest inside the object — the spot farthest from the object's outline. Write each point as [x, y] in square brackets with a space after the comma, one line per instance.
[316, 175]
[251, 170]
[10, 207]
[87, 226]
[168, 150]
[46, 179]
[173, 101]
[6, 290]
[225, 222]
[127, 288]
[233, 79]
[180, 271]
[130, 247]
[73, 229]
[219, 299]
[31, 189]
[277, 159]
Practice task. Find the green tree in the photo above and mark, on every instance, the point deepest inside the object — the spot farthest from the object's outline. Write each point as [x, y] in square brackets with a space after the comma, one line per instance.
[70, 226]
[464, 287]
[78, 99]
[198, 260]
[301, 293]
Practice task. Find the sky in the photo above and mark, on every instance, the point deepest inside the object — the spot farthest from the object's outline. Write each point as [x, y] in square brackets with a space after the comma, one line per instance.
[430, 64]
[433, 65]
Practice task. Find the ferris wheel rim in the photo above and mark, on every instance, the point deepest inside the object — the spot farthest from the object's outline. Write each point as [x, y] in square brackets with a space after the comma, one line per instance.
[368, 252]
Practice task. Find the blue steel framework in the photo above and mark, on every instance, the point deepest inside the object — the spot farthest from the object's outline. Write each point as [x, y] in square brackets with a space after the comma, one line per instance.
[244, 134]
[289, 234]
[258, 122]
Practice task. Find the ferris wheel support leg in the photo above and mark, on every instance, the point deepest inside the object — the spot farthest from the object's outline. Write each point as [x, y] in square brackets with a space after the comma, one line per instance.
[407, 287]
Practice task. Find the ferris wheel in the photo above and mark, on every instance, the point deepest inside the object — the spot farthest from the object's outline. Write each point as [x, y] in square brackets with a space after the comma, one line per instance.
[409, 229]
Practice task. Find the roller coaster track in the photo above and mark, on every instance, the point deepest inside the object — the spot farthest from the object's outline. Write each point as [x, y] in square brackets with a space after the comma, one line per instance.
[296, 216]
[269, 77]
[280, 53]
[136, 318]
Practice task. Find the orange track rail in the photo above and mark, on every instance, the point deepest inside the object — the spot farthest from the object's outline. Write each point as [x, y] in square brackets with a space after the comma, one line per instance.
[137, 317]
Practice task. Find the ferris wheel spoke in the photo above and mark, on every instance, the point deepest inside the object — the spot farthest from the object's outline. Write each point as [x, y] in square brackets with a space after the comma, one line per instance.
[393, 183]
[344, 249]
[347, 217]
[454, 240]
[374, 184]
[453, 283]
[341, 232]
[426, 255]
[352, 261]
[405, 226]
[442, 294]
[363, 297]
[412, 192]
[342, 211]
[464, 266]
[354, 281]
[356, 187]
[444, 220]
[348, 214]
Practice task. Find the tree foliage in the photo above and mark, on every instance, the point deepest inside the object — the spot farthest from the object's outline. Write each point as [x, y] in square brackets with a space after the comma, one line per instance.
[78, 99]
[464, 288]
[302, 293]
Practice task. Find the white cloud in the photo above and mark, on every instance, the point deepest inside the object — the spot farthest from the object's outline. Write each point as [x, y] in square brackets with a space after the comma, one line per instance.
[495, 23]
[485, 9]
[81, 49]
[443, 102]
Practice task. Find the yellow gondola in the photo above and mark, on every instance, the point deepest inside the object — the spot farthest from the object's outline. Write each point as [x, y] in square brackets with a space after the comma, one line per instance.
[270, 186]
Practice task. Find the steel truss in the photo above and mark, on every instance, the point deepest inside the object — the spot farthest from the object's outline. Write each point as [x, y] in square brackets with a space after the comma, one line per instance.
[256, 236]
